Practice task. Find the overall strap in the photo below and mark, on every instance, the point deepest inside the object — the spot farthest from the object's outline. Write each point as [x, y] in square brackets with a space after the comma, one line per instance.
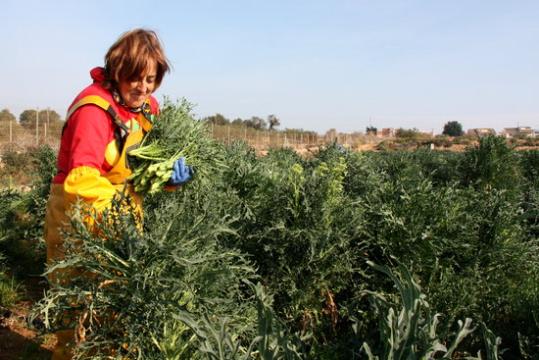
[120, 131]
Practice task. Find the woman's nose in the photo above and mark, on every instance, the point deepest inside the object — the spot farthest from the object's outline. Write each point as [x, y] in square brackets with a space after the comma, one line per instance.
[142, 86]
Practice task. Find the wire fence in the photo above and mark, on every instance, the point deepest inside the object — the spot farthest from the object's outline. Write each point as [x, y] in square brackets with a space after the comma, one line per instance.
[263, 139]
[15, 136]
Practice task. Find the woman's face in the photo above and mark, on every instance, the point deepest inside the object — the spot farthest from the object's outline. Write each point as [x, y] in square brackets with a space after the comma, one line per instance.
[136, 91]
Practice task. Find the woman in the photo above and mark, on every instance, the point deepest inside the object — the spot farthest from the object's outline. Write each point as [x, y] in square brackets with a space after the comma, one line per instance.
[105, 121]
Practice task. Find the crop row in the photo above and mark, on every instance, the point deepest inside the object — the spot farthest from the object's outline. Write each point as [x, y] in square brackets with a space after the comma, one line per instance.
[336, 256]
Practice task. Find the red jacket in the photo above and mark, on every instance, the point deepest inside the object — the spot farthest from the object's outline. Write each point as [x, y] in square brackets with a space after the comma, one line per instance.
[90, 165]
[90, 129]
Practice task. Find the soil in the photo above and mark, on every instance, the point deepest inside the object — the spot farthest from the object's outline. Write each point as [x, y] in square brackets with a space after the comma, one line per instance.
[17, 339]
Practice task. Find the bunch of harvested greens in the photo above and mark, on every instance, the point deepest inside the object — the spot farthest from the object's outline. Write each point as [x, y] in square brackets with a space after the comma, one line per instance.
[175, 133]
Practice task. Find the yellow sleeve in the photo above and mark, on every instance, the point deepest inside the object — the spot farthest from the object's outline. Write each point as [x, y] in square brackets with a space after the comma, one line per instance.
[87, 184]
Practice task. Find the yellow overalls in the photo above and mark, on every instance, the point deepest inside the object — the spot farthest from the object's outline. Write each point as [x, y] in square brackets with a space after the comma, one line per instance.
[81, 184]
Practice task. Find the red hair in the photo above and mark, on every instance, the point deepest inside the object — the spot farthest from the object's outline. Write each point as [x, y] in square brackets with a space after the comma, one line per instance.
[130, 55]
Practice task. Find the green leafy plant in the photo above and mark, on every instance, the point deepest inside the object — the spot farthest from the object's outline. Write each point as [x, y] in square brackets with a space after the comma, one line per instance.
[491, 164]
[22, 214]
[464, 224]
[412, 332]
[127, 287]
[272, 341]
[175, 133]
[9, 288]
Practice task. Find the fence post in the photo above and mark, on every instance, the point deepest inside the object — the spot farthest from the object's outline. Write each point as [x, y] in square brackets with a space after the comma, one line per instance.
[48, 124]
[37, 126]
[11, 130]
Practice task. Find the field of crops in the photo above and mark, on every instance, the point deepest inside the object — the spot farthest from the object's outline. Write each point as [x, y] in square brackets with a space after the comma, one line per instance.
[340, 255]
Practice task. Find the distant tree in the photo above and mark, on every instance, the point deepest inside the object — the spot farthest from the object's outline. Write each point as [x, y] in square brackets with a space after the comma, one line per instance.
[273, 122]
[6, 116]
[237, 121]
[217, 119]
[51, 117]
[28, 118]
[407, 133]
[247, 123]
[453, 128]
[371, 130]
[257, 123]
[8, 125]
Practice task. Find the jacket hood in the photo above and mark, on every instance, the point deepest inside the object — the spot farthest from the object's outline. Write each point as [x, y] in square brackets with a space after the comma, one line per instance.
[98, 74]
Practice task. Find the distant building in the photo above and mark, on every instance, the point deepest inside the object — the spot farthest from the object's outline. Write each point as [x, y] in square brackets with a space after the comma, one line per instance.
[481, 132]
[387, 132]
[521, 131]
[426, 133]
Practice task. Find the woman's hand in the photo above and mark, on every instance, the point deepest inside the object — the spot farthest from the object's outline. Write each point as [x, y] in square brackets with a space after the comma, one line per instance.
[181, 173]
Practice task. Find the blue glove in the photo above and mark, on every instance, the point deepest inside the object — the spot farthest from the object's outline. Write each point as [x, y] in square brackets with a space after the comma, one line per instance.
[181, 173]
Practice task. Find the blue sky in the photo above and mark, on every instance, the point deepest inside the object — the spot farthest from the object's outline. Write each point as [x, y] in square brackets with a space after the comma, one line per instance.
[314, 64]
